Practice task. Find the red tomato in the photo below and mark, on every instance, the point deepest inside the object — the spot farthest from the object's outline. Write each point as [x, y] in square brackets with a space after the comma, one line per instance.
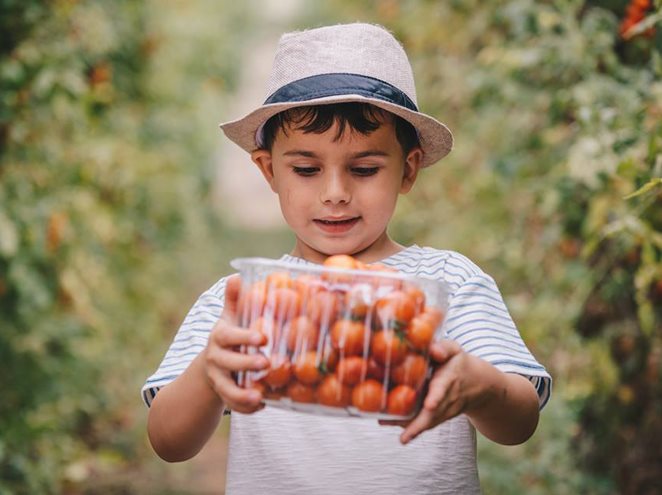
[351, 370]
[420, 332]
[300, 392]
[396, 306]
[369, 396]
[333, 393]
[283, 303]
[412, 371]
[401, 400]
[349, 337]
[251, 302]
[306, 368]
[302, 334]
[388, 348]
[323, 308]
[280, 371]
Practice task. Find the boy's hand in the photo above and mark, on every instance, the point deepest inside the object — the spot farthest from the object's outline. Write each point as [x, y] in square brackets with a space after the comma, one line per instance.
[452, 390]
[222, 357]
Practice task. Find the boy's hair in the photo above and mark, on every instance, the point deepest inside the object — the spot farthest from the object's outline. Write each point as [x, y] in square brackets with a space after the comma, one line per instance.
[361, 117]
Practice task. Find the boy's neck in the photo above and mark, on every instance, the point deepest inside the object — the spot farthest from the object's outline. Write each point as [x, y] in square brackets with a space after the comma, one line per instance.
[377, 251]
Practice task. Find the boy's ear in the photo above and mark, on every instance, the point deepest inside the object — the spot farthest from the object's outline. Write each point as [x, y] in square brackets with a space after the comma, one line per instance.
[262, 158]
[413, 162]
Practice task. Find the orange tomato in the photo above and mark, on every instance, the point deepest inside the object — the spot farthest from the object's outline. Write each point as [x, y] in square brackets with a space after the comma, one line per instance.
[419, 332]
[416, 295]
[401, 400]
[300, 392]
[333, 393]
[277, 280]
[323, 308]
[412, 371]
[396, 306]
[388, 348]
[280, 371]
[349, 337]
[283, 303]
[302, 334]
[251, 302]
[351, 370]
[358, 300]
[340, 261]
[306, 368]
[368, 396]
[307, 285]
[376, 370]
[434, 315]
[329, 357]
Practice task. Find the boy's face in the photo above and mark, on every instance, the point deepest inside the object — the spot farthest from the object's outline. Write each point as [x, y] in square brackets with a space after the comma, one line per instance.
[339, 195]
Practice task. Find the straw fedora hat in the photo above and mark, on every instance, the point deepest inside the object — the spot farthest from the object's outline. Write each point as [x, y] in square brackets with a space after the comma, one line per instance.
[342, 63]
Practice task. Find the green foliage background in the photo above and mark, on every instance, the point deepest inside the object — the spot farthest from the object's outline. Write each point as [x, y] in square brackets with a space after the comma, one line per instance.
[108, 114]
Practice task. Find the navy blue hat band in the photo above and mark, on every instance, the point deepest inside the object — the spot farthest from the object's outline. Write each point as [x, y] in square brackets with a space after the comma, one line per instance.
[324, 85]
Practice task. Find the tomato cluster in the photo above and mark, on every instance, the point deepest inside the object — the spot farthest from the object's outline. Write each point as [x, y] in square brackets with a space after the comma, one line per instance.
[340, 338]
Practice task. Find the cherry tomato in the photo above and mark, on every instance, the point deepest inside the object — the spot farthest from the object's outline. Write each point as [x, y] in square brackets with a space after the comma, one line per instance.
[306, 368]
[339, 261]
[323, 308]
[417, 296]
[419, 332]
[376, 370]
[434, 315]
[267, 327]
[276, 280]
[396, 306]
[412, 371]
[358, 300]
[349, 337]
[368, 396]
[329, 357]
[388, 348]
[401, 400]
[251, 302]
[302, 334]
[300, 392]
[280, 371]
[307, 286]
[283, 303]
[333, 393]
[351, 370]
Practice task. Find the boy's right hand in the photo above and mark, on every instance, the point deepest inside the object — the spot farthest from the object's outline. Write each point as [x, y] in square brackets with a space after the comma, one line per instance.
[222, 357]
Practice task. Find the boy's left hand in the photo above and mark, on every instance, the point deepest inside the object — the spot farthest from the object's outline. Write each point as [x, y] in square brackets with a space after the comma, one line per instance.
[453, 389]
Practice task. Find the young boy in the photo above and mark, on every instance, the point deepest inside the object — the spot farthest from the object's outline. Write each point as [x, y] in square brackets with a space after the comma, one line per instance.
[338, 139]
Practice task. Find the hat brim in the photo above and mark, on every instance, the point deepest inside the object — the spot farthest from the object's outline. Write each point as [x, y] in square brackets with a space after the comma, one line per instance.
[436, 140]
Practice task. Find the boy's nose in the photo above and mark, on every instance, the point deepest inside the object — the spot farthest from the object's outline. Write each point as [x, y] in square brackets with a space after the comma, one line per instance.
[335, 190]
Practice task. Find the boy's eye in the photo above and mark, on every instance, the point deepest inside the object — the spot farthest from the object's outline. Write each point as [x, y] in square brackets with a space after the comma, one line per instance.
[305, 171]
[365, 171]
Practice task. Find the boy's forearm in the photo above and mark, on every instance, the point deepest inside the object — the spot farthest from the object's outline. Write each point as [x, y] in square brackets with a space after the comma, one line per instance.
[184, 414]
[509, 412]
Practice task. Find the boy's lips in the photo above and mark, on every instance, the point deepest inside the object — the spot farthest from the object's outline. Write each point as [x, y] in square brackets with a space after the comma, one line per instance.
[336, 225]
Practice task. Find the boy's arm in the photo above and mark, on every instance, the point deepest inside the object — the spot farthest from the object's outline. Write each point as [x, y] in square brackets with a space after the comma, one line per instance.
[502, 406]
[185, 413]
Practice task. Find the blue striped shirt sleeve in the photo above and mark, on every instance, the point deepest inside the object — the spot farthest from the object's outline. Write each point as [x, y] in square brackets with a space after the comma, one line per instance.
[190, 340]
[479, 321]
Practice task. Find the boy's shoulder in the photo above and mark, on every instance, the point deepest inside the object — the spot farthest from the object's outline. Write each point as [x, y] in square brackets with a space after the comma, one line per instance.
[430, 262]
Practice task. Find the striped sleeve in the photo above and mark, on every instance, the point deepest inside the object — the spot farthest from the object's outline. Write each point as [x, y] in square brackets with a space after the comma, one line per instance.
[479, 321]
[190, 340]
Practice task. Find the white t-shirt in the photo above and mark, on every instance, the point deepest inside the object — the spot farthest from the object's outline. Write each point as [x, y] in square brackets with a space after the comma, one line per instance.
[284, 452]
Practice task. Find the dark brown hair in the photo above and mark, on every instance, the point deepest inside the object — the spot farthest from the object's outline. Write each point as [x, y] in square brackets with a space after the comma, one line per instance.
[360, 117]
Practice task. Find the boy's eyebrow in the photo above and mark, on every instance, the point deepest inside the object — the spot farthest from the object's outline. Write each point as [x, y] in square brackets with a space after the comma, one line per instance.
[312, 154]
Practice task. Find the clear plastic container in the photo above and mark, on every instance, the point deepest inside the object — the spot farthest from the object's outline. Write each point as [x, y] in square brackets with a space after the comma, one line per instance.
[341, 342]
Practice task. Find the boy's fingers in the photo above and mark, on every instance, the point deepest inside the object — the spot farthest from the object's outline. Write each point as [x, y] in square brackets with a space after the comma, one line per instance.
[236, 361]
[419, 424]
[443, 350]
[234, 397]
[232, 291]
[227, 335]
